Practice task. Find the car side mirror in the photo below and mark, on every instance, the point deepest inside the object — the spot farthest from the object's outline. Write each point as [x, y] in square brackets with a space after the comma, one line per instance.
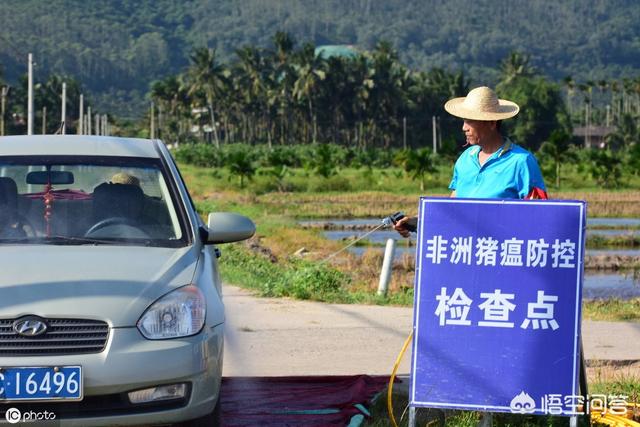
[225, 227]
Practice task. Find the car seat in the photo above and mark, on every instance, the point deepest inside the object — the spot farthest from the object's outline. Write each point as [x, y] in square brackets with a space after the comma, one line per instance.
[117, 201]
[9, 217]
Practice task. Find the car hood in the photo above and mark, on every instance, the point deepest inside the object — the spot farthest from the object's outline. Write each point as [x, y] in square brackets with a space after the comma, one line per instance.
[111, 283]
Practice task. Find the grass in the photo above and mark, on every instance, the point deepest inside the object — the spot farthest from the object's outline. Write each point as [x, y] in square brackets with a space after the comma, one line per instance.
[604, 379]
[623, 241]
[300, 279]
[347, 279]
[612, 309]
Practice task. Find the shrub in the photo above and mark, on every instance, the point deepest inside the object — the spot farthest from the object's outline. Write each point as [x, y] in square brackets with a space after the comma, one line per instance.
[299, 278]
[203, 155]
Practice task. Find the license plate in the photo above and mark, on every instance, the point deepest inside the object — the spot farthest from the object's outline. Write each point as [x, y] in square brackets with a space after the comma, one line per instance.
[41, 383]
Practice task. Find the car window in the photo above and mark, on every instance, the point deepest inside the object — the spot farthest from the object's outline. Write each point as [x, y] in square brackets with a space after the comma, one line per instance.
[92, 200]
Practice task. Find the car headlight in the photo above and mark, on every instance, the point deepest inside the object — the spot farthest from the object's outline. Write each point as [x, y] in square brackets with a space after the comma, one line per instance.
[180, 313]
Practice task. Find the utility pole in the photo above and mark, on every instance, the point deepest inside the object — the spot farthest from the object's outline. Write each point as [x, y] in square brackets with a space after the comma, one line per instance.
[97, 119]
[30, 96]
[44, 120]
[439, 134]
[435, 139]
[586, 125]
[5, 91]
[81, 115]
[88, 120]
[63, 117]
[152, 131]
[159, 121]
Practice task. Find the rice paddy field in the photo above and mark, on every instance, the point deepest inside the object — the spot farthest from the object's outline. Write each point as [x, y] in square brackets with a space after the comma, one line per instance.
[286, 251]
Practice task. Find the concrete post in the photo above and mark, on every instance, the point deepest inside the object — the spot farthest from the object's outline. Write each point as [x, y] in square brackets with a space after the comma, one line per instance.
[63, 115]
[5, 91]
[44, 120]
[152, 125]
[89, 131]
[30, 96]
[81, 116]
[387, 267]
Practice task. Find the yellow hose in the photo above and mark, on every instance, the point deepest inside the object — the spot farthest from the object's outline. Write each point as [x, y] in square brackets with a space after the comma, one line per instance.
[393, 376]
[615, 420]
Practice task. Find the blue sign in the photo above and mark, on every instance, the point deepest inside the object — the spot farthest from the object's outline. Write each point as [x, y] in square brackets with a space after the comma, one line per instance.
[497, 305]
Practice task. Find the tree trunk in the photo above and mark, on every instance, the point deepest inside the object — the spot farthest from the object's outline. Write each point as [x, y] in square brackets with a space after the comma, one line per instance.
[213, 126]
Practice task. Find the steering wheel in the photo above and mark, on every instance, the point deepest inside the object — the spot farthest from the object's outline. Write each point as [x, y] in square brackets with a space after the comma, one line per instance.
[108, 222]
[18, 226]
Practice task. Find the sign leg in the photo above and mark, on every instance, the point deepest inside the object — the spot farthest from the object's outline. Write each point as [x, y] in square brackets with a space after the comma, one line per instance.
[486, 420]
[412, 416]
[584, 386]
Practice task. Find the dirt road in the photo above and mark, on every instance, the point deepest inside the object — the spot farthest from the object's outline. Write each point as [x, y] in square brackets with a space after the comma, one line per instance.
[273, 337]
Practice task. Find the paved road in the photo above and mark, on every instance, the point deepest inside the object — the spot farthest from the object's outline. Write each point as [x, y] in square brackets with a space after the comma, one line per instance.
[272, 337]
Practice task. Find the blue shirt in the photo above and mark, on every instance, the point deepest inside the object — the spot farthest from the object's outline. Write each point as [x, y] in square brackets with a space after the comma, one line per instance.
[510, 173]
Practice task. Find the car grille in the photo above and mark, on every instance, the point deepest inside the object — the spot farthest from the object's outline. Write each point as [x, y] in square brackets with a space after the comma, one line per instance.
[63, 336]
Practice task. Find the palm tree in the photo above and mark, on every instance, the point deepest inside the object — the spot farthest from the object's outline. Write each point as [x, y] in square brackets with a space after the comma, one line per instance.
[570, 84]
[240, 163]
[515, 65]
[286, 77]
[311, 72]
[207, 77]
[626, 134]
[323, 162]
[418, 163]
[254, 78]
[387, 94]
[171, 95]
[557, 149]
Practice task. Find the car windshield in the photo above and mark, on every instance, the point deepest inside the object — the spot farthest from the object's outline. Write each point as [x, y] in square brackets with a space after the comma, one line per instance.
[96, 200]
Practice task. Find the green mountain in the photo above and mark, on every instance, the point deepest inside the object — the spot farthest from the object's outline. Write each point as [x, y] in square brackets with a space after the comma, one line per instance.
[116, 48]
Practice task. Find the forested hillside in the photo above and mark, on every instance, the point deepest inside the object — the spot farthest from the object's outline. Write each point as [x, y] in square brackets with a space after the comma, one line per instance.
[116, 48]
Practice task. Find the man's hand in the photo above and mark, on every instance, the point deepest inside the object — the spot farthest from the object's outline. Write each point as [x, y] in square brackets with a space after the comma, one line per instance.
[406, 225]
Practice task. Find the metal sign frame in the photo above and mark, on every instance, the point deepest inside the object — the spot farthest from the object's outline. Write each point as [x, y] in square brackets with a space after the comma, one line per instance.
[423, 269]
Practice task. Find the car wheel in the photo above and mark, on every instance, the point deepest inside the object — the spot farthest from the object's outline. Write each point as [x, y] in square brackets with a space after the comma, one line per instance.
[210, 420]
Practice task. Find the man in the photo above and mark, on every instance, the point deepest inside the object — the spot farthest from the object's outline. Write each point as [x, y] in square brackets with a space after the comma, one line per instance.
[493, 167]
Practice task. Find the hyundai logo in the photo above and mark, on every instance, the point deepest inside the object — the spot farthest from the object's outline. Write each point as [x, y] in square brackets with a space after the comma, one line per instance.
[30, 326]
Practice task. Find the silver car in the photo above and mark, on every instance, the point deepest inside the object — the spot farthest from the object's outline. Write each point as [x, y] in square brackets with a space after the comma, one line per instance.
[110, 298]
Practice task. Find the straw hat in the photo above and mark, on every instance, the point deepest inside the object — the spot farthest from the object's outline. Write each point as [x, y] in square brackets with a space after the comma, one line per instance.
[481, 104]
[125, 178]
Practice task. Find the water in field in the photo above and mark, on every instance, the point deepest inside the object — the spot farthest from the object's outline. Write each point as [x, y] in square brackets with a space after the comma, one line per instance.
[607, 285]
[613, 222]
[596, 284]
